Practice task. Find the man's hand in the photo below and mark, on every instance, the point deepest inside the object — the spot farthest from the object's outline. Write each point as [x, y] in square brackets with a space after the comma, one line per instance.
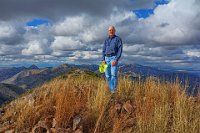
[114, 62]
[103, 62]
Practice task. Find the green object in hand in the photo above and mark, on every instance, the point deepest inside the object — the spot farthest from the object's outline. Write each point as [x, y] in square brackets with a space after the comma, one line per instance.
[102, 67]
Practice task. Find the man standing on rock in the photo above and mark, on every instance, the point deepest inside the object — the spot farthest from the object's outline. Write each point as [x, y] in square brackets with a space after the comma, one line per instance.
[111, 53]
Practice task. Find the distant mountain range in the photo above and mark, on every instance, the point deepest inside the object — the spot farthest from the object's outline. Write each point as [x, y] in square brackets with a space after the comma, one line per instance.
[22, 78]
[189, 80]
[30, 78]
[8, 72]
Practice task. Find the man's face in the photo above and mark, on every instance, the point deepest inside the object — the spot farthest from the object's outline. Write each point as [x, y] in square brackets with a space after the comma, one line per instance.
[111, 31]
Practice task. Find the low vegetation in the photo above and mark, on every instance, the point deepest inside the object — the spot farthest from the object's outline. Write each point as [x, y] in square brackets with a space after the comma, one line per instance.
[156, 106]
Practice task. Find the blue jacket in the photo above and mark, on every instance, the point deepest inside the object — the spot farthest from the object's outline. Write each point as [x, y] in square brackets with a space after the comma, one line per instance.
[112, 46]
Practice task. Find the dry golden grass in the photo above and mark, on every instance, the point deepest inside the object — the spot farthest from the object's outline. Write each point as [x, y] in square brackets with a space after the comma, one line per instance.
[158, 106]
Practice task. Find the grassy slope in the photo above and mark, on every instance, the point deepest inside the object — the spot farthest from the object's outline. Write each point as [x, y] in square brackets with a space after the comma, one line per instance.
[158, 107]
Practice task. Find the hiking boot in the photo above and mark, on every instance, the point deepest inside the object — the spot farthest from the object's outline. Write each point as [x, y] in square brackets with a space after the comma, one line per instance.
[107, 89]
[113, 97]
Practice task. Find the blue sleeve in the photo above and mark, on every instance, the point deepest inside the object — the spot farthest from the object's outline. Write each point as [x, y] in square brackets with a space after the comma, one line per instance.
[104, 51]
[120, 48]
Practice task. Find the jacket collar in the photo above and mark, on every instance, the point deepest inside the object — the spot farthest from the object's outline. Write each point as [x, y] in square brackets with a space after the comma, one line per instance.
[112, 37]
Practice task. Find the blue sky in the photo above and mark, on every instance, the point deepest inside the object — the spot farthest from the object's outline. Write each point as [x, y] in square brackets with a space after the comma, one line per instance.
[157, 33]
[144, 13]
[37, 21]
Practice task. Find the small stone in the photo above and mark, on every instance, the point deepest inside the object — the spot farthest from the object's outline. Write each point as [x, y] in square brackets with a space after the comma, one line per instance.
[4, 128]
[118, 107]
[2, 111]
[69, 130]
[54, 123]
[48, 121]
[53, 130]
[41, 127]
[128, 107]
[7, 123]
[62, 130]
[76, 121]
[78, 131]
[130, 122]
[11, 121]
[10, 131]
[15, 113]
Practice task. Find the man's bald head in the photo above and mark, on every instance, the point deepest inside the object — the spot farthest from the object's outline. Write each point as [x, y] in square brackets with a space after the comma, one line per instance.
[111, 27]
[111, 31]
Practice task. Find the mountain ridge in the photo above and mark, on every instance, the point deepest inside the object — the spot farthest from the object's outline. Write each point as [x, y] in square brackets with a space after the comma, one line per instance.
[29, 78]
